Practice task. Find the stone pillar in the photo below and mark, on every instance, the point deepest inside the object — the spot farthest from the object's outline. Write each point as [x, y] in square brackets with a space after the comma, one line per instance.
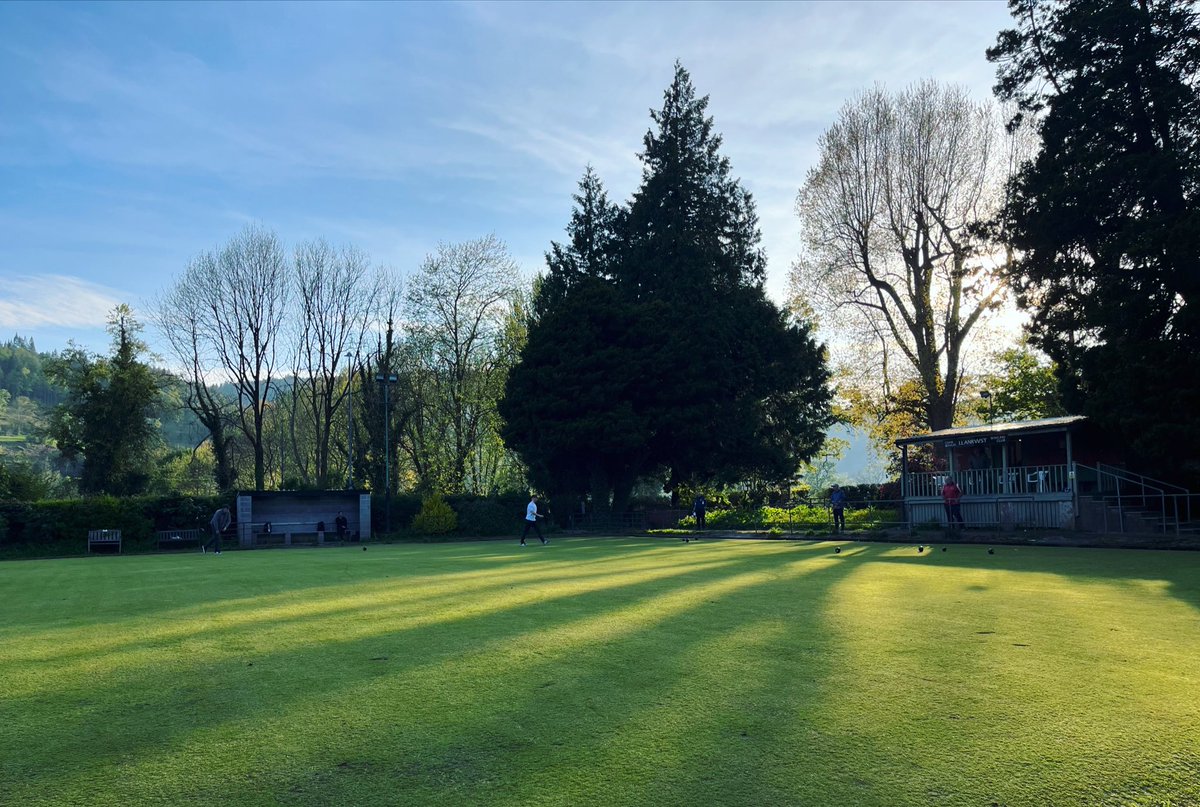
[245, 521]
[364, 516]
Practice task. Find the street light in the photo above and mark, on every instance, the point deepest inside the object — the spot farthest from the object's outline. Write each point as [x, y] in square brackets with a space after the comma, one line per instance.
[987, 396]
[349, 421]
[387, 379]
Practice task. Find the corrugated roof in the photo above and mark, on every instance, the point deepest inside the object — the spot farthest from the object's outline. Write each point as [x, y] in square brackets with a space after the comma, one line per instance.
[1016, 427]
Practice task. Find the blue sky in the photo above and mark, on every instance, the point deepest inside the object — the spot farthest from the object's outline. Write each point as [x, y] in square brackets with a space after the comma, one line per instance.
[134, 136]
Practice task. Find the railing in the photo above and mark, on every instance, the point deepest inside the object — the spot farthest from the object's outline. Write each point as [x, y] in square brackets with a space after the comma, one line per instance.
[1116, 475]
[999, 513]
[1138, 495]
[610, 522]
[1023, 479]
[1135, 514]
[1125, 502]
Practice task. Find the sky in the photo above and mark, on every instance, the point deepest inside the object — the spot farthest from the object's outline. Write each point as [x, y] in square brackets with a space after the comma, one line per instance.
[134, 137]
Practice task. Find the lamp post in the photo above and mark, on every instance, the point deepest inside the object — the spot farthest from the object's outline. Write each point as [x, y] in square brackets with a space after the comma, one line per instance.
[387, 379]
[349, 422]
[987, 396]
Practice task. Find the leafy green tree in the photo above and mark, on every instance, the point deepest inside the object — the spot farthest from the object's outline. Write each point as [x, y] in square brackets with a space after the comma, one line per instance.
[821, 471]
[738, 389]
[654, 346]
[1023, 387]
[567, 405]
[22, 481]
[455, 359]
[184, 471]
[897, 412]
[1105, 219]
[108, 418]
[22, 373]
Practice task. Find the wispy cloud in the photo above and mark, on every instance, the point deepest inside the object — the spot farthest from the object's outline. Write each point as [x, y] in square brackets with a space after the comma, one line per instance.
[31, 302]
[136, 135]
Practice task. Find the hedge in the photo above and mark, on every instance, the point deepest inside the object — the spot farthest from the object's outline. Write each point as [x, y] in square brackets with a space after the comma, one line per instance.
[60, 527]
[792, 518]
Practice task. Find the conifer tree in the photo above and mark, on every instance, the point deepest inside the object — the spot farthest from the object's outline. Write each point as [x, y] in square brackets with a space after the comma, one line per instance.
[655, 348]
[1105, 218]
[107, 420]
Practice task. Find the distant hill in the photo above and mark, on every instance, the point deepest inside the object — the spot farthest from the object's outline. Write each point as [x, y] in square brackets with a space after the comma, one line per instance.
[859, 464]
[32, 396]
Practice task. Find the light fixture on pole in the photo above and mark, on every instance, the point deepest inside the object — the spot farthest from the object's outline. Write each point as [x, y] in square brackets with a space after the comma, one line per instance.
[387, 379]
[987, 396]
[349, 421]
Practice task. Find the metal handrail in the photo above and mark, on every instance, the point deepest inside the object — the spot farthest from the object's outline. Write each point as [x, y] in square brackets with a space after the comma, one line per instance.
[1147, 491]
[1160, 522]
[1130, 476]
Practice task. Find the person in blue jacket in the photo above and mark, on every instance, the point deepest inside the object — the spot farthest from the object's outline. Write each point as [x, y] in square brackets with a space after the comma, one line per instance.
[837, 501]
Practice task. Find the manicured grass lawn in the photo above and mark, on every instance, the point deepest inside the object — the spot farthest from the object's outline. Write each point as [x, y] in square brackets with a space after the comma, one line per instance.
[603, 672]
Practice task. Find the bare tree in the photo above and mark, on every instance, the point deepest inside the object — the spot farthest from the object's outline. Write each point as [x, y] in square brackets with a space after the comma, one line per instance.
[336, 296]
[894, 261]
[241, 296]
[179, 315]
[456, 307]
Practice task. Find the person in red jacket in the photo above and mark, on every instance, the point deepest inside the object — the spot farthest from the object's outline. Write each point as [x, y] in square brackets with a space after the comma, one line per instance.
[952, 501]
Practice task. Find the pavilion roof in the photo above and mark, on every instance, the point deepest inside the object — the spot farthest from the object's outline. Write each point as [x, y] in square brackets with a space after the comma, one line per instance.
[996, 429]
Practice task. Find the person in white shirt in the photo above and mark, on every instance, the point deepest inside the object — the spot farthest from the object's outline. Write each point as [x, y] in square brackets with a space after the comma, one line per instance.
[531, 520]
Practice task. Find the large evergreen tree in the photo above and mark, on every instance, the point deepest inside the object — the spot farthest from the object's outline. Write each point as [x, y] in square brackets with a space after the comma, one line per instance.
[654, 347]
[569, 401]
[1105, 218]
[107, 420]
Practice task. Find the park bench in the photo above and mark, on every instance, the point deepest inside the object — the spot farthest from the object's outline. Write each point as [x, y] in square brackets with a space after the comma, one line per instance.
[109, 539]
[180, 539]
[289, 533]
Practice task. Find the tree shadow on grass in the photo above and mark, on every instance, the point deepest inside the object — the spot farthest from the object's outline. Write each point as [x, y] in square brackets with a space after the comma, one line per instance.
[199, 621]
[103, 708]
[705, 686]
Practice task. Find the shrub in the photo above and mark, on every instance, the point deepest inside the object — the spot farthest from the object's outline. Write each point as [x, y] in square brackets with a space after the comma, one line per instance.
[435, 518]
[794, 518]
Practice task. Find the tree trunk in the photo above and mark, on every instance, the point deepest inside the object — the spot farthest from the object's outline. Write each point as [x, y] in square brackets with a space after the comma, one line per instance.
[622, 492]
[601, 490]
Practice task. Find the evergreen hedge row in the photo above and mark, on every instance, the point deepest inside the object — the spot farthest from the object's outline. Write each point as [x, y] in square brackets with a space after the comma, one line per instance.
[60, 527]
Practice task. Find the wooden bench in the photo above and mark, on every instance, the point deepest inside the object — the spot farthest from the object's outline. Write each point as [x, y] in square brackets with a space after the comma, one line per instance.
[181, 539]
[288, 533]
[104, 538]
